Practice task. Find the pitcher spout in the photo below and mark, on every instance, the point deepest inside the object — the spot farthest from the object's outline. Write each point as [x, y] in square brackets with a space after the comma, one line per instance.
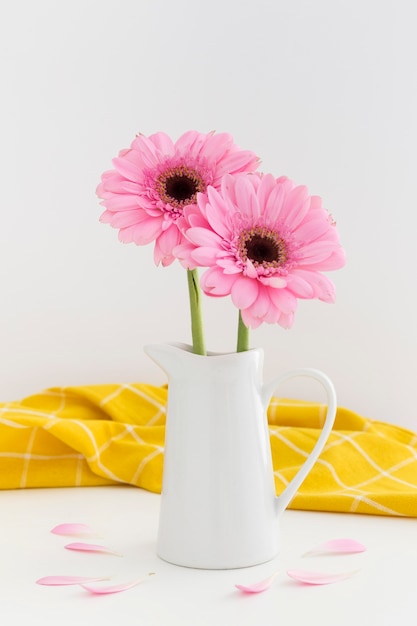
[166, 355]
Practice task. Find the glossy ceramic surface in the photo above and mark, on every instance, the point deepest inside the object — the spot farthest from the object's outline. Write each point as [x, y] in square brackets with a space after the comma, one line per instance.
[218, 507]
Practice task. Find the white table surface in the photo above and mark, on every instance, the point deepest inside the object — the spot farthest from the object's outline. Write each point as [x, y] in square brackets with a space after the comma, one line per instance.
[383, 591]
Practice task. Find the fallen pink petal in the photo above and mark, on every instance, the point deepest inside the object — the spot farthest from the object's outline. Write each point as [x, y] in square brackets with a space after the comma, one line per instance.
[111, 588]
[258, 587]
[317, 578]
[339, 546]
[90, 547]
[68, 580]
[72, 529]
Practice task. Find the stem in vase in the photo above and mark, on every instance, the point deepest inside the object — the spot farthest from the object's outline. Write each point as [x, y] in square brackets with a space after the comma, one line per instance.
[242, 336]
[197, 331]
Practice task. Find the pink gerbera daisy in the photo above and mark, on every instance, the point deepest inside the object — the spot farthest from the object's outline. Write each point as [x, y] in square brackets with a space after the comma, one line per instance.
[154, 180]
[265, 242]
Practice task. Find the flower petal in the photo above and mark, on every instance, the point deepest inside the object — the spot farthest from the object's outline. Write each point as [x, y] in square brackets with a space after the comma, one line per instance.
[216, 144]
[216, 212]
[214, 282]
[68, 580]
[275, 202]
[251, 321]
[206, 256]
[266, 187]
[111, 588]
[123, 219]
[262, 303]
[296, 206]
[142, 232]
[335, 261]
[317, 578]
[300, 287]
[119, 202]
[246, 199]
[228, 265]
[284, 300]
[144, 152]
[190, 142]
[315, 253]
[203, 237]
[244, 292]
[312, 229]
[339, 546]
[323, 287]
[258, 587]
[163, 143]
[90, 547]
[127, 169]
[277, 282]
[72, 529]
[238, 161]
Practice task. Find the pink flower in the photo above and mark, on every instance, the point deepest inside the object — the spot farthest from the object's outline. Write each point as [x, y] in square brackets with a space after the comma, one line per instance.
[152, 182]
[265, 242]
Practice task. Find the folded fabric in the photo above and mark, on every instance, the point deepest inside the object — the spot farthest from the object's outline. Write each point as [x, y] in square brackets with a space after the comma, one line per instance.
[112, 434]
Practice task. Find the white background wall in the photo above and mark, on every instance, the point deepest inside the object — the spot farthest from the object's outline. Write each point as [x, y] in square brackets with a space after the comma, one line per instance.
[324, 91]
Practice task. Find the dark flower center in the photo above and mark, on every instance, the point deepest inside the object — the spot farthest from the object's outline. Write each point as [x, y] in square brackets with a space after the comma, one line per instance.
[181, 188]
[263, 247]
[178, 186]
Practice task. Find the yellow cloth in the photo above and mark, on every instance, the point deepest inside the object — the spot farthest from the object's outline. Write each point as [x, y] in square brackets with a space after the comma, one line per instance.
[107, 434]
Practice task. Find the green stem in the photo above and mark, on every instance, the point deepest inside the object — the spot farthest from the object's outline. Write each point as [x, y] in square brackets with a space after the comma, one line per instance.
[242, 336]
[195, 308]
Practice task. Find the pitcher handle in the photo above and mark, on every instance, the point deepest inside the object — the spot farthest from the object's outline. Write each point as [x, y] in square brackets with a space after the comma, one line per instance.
[290, 490]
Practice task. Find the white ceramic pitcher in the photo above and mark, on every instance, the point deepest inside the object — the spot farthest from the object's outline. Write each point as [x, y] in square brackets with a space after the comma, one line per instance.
[219, 509]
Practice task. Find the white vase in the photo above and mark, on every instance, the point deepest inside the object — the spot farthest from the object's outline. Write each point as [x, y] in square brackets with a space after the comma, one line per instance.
[218, 505]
